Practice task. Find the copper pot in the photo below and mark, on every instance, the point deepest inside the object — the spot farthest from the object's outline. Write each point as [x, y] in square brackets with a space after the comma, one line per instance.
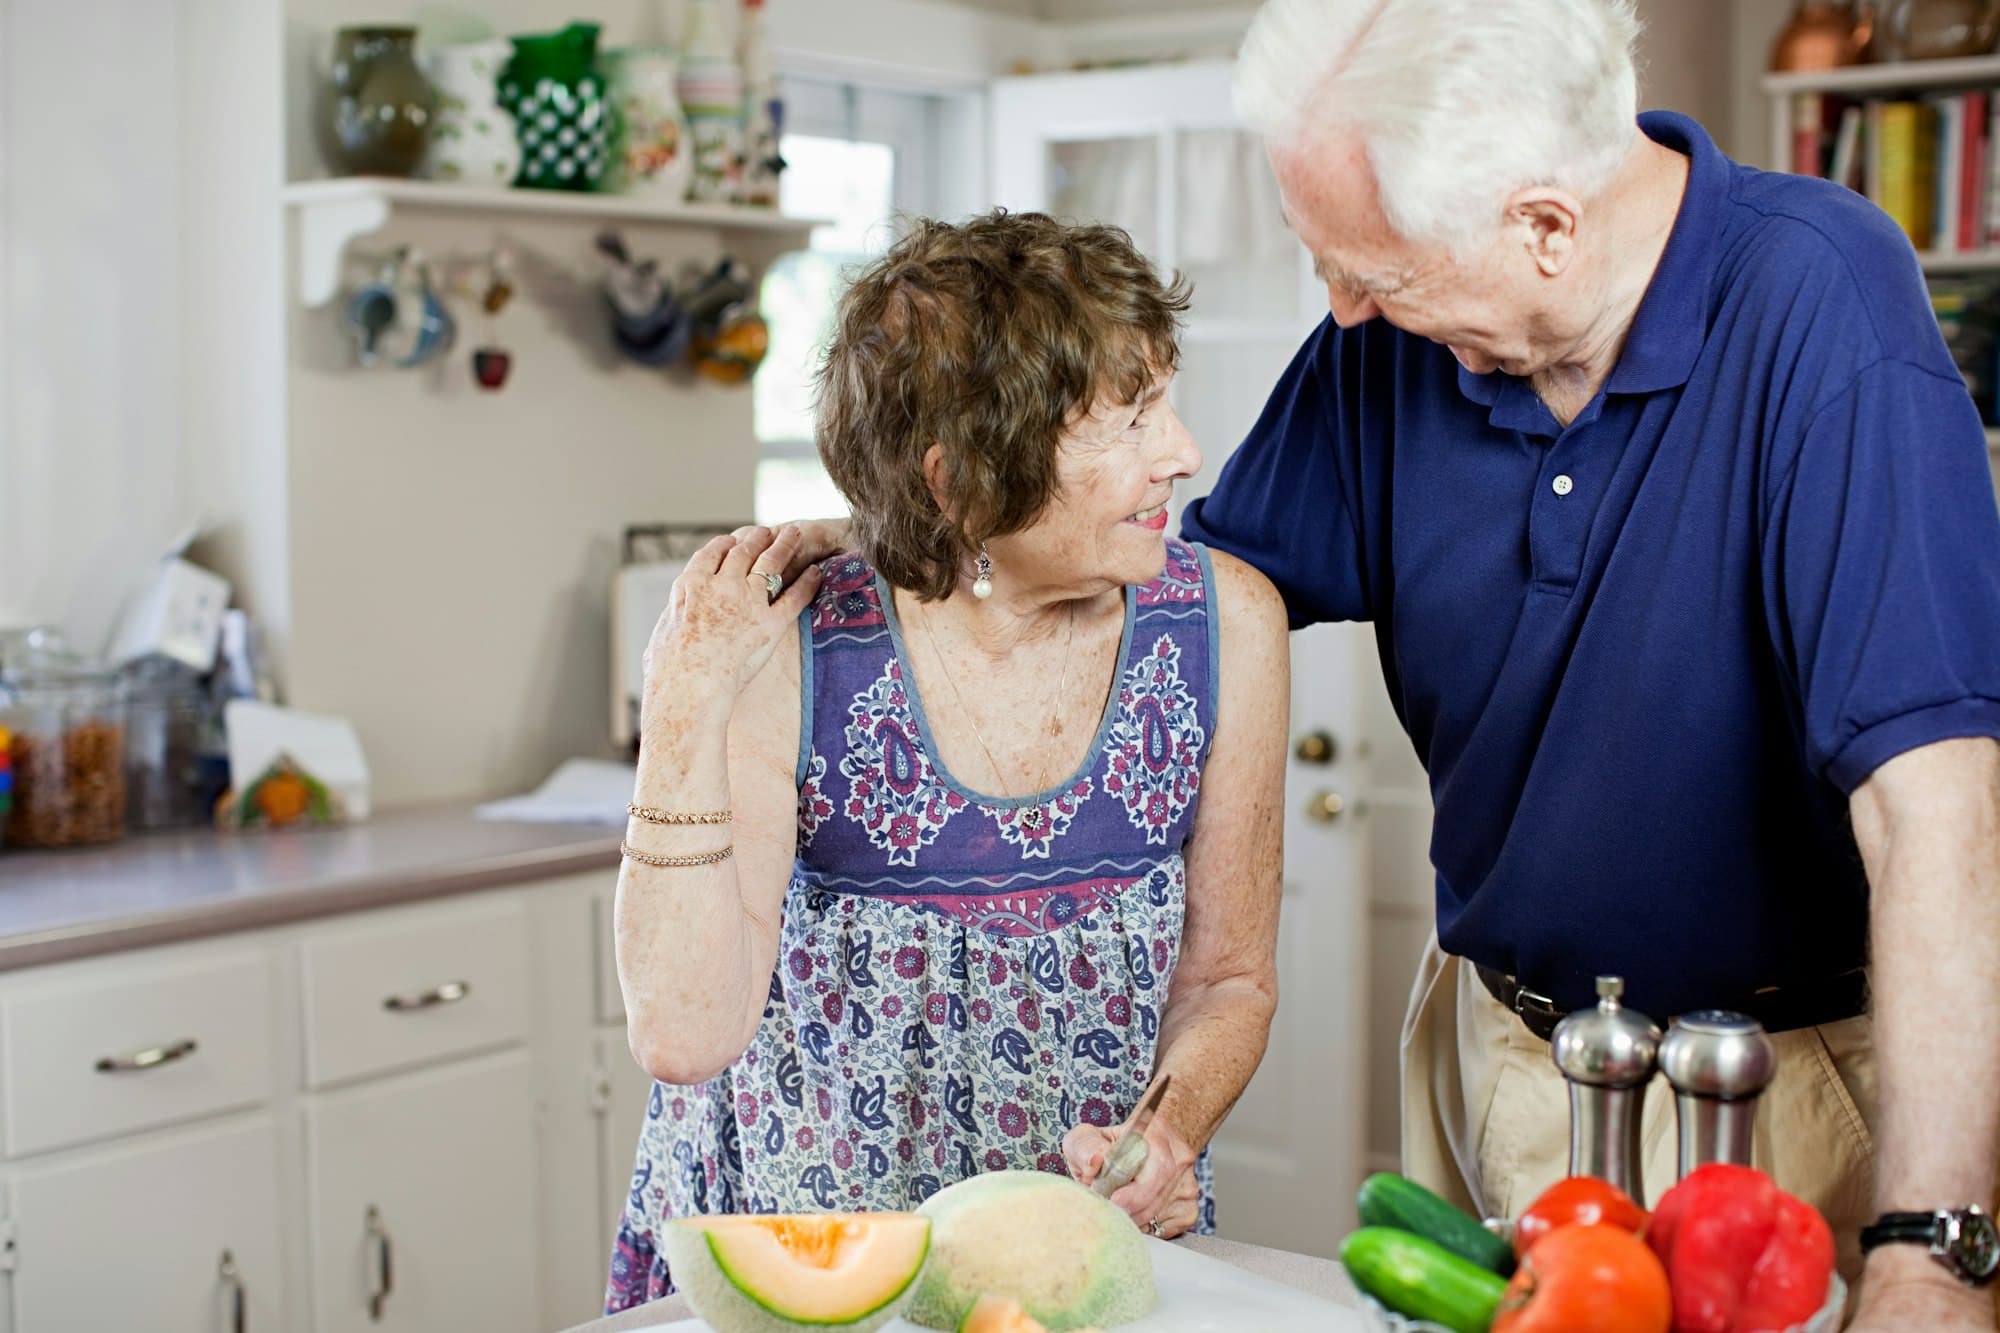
[1823, 35]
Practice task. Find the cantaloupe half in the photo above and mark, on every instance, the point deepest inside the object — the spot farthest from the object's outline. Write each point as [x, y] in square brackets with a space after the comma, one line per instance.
[1069, 1258]
[833, 1272]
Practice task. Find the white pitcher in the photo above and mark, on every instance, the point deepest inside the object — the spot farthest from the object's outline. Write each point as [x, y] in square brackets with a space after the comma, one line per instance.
[472, 140]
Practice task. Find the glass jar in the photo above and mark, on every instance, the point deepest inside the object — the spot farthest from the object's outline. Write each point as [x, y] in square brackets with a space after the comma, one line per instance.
[67, 716]
[165, 708]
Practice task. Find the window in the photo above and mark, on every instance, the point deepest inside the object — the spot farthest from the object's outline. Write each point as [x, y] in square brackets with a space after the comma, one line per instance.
[856, 157]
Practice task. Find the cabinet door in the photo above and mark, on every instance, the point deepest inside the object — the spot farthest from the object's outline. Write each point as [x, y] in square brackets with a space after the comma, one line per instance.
[627, 1088]
[135, 1237]
[423, 1205]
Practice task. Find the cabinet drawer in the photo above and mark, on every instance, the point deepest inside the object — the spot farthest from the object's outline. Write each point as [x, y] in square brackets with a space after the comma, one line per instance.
[93, 1057]
[415, 988]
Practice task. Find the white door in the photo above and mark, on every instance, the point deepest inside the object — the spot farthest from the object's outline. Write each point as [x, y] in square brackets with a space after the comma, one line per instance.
[1158, 151]
[165, 1233]
[423, 1208]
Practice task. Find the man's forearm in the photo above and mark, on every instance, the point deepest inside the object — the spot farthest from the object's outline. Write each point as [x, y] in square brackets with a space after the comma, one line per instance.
[1928, 824]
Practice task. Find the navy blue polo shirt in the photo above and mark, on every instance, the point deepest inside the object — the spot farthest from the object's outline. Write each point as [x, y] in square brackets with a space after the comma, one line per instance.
[1645, 657]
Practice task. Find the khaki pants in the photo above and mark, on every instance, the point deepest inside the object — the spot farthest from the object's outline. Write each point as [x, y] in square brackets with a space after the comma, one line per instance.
[1486, 1113]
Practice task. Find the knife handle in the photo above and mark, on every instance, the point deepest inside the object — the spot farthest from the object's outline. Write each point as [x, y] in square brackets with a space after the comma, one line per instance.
[1125, 1161]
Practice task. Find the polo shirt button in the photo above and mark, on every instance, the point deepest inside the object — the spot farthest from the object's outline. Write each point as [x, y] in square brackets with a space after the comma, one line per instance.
[1562, 485]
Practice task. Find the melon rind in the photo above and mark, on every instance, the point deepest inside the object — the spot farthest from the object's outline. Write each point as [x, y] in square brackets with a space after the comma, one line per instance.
[1070, 1258]
[726, 1308]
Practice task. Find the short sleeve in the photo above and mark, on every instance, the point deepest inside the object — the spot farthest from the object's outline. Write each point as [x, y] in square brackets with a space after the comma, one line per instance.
[1882, 572]
[1281, 503]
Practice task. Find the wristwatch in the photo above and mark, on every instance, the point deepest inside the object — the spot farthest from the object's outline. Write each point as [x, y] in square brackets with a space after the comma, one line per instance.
[1964, 1240]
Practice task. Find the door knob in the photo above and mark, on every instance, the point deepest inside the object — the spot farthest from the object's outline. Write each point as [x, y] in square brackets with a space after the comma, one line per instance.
[1315, 747]
[1324, 806]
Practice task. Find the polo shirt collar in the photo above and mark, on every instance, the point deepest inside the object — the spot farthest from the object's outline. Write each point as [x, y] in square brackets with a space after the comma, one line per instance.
[1666, 336]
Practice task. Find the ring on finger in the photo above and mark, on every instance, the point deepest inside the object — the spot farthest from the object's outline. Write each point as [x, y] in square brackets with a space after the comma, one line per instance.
[1154, 1226]
[773, 584]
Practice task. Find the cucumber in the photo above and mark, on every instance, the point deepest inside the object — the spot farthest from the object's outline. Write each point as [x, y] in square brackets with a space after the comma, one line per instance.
[1390, 1200]
[1422, 1279]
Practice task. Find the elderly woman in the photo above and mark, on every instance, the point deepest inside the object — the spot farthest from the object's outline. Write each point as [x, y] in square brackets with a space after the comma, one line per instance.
[940, 857]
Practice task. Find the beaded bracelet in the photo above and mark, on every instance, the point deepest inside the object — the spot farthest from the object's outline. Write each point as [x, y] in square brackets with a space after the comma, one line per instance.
[704, 859]
[652, 816]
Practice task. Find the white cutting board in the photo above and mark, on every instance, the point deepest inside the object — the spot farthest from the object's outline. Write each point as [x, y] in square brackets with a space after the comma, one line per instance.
[1197, 1295]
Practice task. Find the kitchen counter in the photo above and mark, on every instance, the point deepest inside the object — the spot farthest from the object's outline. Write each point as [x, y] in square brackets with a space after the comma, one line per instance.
[1318, 1277]
[163, 888]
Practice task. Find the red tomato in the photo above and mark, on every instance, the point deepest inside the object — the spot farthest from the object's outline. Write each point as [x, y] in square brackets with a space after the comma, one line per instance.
[1601, 1278]
[1578, 1201]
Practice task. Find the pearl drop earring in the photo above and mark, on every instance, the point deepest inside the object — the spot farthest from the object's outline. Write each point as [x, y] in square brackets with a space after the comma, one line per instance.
[982, 586]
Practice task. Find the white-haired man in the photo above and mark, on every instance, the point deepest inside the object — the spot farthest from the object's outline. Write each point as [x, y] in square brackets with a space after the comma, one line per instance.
[1674, 519]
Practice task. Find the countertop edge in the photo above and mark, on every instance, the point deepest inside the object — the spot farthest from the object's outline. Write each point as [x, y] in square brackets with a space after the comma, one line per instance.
[214, 919]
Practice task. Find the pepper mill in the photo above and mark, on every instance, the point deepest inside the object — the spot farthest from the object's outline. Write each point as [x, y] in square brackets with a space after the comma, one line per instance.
[1718, 1062]
[1609, 1055]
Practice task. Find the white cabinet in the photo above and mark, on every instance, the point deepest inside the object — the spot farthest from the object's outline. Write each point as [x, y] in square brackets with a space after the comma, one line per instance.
[423, 1210]
[134, 1237]
[424, 1104]
[627, 1089]
[416, 986]
[93, 1055]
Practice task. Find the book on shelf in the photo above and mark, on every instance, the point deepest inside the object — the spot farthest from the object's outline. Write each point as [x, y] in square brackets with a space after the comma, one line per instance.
[1931, 163]
[1906, 165]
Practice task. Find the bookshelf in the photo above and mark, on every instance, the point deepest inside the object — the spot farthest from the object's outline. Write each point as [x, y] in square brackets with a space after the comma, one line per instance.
[1939, 181]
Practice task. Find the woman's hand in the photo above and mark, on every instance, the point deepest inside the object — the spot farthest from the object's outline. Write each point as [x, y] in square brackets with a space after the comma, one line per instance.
[721, 626]
[1163, 1198]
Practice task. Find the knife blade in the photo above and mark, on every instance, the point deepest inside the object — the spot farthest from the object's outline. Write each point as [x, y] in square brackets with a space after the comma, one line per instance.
[1127, 1157]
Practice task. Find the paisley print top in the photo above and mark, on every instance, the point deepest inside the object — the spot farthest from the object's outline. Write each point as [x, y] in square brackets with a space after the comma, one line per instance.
[960, 977]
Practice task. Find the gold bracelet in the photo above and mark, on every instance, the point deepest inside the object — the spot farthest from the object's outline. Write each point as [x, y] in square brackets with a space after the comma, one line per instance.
[652, 816]
[704, 859]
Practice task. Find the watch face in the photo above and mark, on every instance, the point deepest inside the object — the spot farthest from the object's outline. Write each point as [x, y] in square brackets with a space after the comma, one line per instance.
[1977, 1246]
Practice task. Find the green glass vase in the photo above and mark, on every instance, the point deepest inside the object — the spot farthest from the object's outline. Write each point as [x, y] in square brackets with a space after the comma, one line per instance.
[560, 110]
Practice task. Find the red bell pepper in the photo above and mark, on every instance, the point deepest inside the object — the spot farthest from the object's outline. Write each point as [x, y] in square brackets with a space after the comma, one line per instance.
[1742, 1256]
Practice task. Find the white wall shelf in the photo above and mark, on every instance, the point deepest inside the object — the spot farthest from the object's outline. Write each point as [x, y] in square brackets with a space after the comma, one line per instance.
[333, 213]
[1965, 261]
[1910, 74]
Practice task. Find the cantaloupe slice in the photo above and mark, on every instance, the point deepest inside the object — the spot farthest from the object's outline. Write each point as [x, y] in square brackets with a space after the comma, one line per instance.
[832, 1272]
[1068, 1257]
[998, 1314]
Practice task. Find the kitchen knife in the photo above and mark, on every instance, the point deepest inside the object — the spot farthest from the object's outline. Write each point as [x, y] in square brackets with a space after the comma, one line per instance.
[1127, 1157]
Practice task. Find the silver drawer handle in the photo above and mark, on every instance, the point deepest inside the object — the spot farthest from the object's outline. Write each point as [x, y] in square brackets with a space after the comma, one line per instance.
[233, 1276]
[451, 992]
[383, 1281]
[151, 1058]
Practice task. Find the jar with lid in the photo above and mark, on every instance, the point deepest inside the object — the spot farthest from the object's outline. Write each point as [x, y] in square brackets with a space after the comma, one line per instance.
[165, 709]
[67, 716]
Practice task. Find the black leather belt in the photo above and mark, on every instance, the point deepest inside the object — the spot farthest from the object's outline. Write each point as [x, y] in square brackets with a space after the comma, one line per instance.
[1778, 1008]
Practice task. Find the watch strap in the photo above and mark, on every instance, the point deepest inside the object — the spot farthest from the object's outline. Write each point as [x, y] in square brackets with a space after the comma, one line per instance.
[1900, 1229]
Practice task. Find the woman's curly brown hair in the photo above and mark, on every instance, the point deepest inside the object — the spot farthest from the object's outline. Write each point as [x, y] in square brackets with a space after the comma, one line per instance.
[989, 338]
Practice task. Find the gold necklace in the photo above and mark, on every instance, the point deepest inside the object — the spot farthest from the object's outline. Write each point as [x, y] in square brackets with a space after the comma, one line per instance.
[1062, 692]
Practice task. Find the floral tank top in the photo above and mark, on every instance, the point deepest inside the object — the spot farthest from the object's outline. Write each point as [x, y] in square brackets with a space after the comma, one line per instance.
[960, 978]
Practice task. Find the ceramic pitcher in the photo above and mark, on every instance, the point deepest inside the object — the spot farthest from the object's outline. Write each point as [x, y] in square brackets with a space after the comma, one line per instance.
[654, 156]
[472, 139]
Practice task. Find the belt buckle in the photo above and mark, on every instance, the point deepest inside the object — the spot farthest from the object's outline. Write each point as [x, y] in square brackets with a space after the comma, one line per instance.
[1526, 1001]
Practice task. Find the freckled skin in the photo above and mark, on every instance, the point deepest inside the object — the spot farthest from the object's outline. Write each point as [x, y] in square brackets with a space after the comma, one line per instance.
[719, 729]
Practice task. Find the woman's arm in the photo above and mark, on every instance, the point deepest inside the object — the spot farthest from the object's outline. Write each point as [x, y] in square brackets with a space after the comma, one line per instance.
[718, 731]
[1218, 1015]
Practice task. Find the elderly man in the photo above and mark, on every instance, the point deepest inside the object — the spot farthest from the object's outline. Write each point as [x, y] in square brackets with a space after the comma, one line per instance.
[1674, 519]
